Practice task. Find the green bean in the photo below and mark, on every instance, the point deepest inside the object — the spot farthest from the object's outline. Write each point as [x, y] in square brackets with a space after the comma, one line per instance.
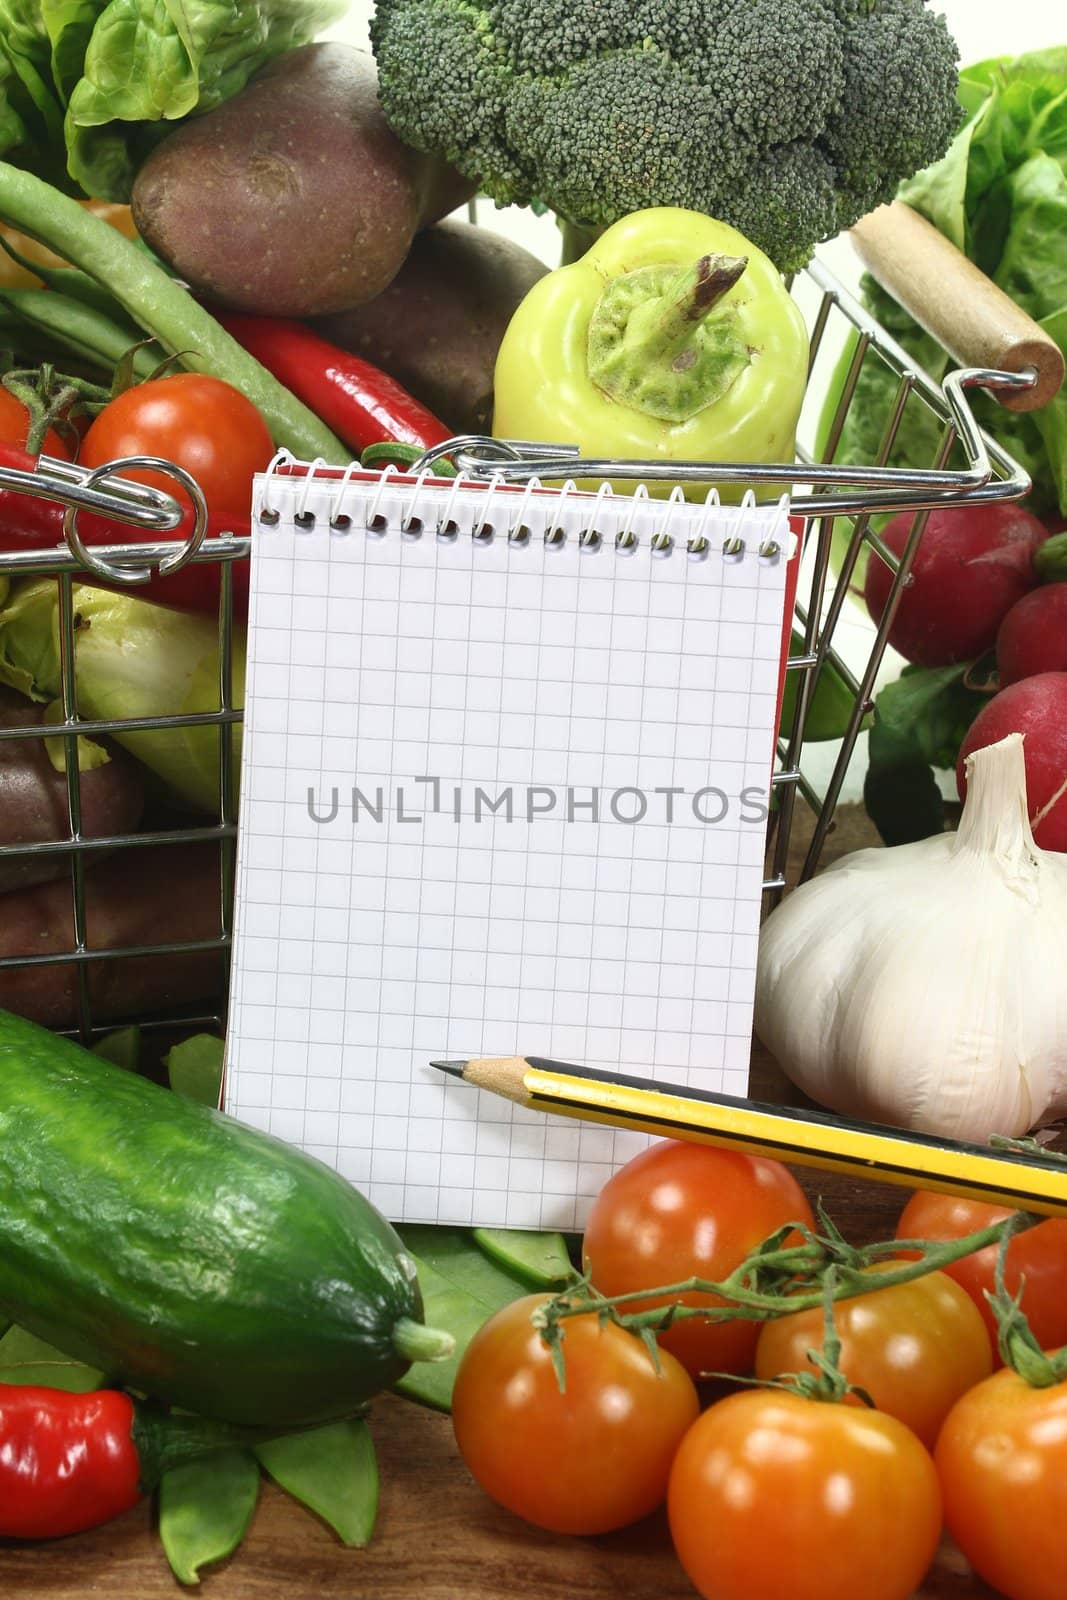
[160, 306]
[81, 330]
[69, 281]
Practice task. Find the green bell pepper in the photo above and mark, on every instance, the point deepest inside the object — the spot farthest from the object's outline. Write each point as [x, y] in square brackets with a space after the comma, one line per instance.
[672, 338]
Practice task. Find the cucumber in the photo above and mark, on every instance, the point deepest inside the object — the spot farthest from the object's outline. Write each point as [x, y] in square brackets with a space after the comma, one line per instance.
[188, 1256]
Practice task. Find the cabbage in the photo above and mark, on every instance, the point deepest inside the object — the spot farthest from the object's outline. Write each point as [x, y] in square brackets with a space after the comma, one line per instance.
[131, 659]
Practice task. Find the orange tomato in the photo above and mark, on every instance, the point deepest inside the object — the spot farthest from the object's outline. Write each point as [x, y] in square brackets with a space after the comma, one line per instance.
[773, 1495]
[592, 1458]
[1037, 1260]
[914, 1347]
[681, 1211]
[1002, 1460]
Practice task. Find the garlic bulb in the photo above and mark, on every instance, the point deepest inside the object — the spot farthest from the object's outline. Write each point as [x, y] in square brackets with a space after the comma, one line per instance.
[924, 985]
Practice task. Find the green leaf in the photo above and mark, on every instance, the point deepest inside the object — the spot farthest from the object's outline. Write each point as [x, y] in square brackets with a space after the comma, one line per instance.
[539, 1259]
[920, 722]
[194, 1068]
[122, 1048]
[461, 1289]
[899, 791]
[205, 1508]
[934, 708]
[333, 1472]
[26, 1359]
[149, 62]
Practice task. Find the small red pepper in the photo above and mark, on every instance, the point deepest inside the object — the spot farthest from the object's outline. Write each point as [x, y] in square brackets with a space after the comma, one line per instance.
[72, 1461]
[30, 523]
[362, 404]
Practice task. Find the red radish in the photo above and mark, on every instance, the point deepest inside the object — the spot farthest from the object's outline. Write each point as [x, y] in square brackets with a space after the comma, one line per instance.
[972, 564]
[1036, 708]
[1033, 636]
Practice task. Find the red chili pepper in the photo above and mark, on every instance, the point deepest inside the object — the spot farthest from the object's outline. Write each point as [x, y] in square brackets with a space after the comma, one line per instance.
[72, 1461]
[29, 523]
[362, 404]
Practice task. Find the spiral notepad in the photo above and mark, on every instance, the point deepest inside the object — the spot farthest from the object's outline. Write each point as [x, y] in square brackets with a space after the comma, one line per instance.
[505, 789]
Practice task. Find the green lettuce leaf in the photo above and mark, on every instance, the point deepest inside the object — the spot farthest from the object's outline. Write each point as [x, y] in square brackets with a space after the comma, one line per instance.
[1000, 194]
[88, 87]
[69, 25]
[151, 62]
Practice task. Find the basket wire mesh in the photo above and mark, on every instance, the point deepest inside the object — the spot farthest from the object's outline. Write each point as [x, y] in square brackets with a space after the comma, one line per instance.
[823, 494]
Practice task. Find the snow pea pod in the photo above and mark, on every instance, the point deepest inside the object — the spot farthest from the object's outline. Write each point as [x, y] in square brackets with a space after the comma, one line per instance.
[205, 1508]
[333, 1472]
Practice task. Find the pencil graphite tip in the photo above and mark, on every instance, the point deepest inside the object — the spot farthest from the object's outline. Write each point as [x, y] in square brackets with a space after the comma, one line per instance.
[455, 1069]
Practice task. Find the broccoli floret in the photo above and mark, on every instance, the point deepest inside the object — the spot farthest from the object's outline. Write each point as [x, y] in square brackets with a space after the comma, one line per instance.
[592, 136]
[787, 194]
[788, 118]
[898, 109]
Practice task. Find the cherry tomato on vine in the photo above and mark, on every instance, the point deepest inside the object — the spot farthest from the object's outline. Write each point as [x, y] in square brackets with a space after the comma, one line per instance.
[15, 426]
[200, 423]
[1039, 1256]
[1002, 1461]
[685, 1210]
[593, 1458]
[773, 1495]
[915, 1347]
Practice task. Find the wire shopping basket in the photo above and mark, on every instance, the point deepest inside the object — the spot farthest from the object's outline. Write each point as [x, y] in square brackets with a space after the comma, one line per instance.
[66, 959]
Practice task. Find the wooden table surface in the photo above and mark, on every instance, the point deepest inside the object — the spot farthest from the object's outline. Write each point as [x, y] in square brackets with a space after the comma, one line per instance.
[438, 1537]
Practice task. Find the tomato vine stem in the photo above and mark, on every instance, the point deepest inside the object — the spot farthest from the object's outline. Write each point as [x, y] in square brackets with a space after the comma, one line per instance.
[775, 1280]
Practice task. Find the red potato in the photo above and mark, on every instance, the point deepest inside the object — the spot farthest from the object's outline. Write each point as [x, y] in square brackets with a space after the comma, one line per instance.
[1033, 636]
[972, 564]
[1036, 708]
[33, 798]
[143, 896]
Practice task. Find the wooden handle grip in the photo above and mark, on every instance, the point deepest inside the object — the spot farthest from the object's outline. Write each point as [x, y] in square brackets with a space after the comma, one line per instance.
[948, 296]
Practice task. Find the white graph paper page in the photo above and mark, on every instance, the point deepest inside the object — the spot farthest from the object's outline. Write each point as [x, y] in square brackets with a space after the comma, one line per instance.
[499, 799]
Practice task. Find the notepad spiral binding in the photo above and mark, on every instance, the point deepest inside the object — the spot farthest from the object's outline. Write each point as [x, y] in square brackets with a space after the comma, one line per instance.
[361, 501]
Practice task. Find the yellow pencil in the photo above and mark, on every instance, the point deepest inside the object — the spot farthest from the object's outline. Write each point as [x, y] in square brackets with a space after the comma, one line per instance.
[806, 1138]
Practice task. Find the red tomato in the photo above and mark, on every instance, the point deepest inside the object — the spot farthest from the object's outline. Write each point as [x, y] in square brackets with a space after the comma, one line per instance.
[915, 1348]
[200, 423]
[772, 1495]
[1039, 1256]
[685, 1210]
[1002, 1460]
[15, 426]
[591, 1459]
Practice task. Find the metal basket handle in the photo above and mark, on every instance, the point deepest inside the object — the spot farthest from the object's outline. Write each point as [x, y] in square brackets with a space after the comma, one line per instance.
[947, 295]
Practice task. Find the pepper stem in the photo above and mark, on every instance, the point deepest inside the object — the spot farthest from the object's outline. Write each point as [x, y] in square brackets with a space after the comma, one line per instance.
[663, 341]
[690, 298]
